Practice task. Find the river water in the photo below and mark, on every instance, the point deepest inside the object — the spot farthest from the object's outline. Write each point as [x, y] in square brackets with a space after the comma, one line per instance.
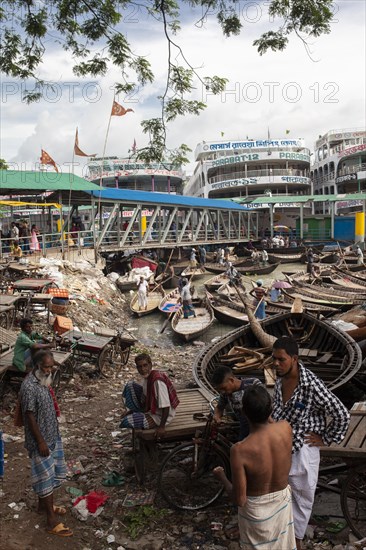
[147, 329]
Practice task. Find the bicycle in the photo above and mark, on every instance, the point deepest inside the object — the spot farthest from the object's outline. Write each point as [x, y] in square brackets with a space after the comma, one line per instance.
[185, 477]
[115, 355]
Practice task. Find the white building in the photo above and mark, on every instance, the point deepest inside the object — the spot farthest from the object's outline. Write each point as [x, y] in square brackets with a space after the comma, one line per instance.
[339, 166]
[125, 173]
[250, 168]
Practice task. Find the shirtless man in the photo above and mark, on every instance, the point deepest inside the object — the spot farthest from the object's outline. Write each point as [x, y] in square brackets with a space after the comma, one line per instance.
[260, 465]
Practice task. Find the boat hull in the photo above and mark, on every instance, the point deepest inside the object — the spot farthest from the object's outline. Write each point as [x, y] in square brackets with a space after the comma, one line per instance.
[316, 335]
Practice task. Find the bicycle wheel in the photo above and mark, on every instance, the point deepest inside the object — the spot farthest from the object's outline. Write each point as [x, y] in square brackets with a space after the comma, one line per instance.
[183, 485]
[353, 501]
[105, 363]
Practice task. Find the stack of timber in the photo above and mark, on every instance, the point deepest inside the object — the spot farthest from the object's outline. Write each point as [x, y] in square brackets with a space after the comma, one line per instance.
[327, 351]
[242, 359]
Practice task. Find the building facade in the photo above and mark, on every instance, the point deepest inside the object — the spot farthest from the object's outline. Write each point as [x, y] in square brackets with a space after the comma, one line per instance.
[125, 173]
[339, 166]
[250, 168]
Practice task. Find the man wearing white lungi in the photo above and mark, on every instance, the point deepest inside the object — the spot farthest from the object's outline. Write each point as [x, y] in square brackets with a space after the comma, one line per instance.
[260, 465]
[317, 418]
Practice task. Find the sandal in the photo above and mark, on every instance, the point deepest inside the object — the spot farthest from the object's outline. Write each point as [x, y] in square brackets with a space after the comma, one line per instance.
[60, 530]
[335, 526]
[113, 479]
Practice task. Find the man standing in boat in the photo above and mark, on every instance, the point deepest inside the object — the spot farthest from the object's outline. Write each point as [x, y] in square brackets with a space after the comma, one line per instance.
[186, 298]
[142, 288]
[259, 292]
[305, 402]
[359, 254]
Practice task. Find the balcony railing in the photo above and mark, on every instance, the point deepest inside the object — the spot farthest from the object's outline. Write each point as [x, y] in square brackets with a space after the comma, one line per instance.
[259, 173]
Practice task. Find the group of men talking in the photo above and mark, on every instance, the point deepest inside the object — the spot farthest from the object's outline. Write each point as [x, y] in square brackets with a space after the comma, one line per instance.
[274, 464]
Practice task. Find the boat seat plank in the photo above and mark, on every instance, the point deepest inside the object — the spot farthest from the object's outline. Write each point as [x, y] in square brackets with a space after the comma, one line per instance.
[192, 401]
[325, 358]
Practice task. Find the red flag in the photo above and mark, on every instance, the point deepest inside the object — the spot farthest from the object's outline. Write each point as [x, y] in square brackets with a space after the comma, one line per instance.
[46, 159]
[118, 110]
[78, 152]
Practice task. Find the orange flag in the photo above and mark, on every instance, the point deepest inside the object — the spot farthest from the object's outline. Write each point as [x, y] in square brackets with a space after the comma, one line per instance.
[78, 152]
[46, 159]
[118, 110]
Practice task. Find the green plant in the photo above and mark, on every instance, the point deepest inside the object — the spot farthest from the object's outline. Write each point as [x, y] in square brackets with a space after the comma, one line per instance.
[141, 518]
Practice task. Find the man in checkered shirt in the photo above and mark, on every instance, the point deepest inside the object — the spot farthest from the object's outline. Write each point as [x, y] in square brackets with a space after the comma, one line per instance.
[317, 418]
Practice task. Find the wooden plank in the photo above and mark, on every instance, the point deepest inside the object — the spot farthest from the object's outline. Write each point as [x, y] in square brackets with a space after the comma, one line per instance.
[325, 358]
[359, 434]
[351, 428]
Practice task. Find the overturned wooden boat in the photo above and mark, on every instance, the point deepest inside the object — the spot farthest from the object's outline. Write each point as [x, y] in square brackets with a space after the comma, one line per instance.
[193, 327]
[327, 351]
[153, 300]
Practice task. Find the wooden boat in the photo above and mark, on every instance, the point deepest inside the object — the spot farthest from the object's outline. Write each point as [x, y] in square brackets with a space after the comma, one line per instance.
[317, 298]
[153, 300]
[215, 267]
[327, 351]
[143, 261]
[215, 282]
[124, 284]
[193, 327]
[256, 270]
[330, 278]
[194, 272]
[171, 300]
[274, 258]
[167, 280]
[326, 291]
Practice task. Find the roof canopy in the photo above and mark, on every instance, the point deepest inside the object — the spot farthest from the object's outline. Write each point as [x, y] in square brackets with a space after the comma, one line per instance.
[278, 199]
[20, 182]
[147, 197]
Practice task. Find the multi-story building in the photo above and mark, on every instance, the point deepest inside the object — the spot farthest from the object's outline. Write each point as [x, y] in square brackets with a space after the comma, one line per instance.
[339, 167]
[250, 168]
[130, 174]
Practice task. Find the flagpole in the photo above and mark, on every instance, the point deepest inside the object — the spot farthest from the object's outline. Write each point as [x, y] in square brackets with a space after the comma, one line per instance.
[101, 173]
[70, 191]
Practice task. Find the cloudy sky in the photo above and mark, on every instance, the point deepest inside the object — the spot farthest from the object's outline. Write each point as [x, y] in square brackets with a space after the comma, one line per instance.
[280, 91]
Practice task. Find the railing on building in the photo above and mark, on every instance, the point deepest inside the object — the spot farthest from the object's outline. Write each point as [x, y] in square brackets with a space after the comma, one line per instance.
[259, 173]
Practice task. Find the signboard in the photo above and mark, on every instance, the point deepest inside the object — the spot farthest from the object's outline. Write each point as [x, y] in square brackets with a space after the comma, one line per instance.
[346, 177]
[252, 144]
[263, 180]
[260, 156]
[352, 150]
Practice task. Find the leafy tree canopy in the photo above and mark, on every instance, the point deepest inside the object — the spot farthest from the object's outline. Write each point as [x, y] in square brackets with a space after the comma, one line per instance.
[93, 32]
[3, 165]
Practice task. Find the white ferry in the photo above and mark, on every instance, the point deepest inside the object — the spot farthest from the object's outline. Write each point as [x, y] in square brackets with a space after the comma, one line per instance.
[125, 173]
[250, 168]
[339, 167]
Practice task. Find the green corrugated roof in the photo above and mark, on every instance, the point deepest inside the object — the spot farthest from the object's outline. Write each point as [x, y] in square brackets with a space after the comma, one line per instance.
[27, 180]
[301, 198]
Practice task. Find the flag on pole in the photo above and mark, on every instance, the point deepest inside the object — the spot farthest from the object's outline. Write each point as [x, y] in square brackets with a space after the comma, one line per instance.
[78, 152]
[119, 110]
[287, 132]
[134, 146]
[46, 159]
[222, 134]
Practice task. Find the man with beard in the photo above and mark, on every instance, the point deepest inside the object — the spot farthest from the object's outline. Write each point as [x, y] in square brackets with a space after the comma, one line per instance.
[152, 404]
[43, 441]
[317, 418]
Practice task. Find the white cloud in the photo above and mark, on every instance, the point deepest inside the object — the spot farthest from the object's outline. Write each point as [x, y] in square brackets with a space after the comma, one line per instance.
[308, 97]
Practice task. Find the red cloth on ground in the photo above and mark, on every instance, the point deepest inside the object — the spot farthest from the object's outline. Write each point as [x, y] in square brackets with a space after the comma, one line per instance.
[93, 499]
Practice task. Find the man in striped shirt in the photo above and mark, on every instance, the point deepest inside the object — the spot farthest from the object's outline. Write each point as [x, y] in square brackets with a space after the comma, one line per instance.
[317, 418]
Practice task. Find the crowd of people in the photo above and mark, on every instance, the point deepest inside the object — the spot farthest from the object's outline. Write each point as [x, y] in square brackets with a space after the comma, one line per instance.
[274, 463]
[19, 239]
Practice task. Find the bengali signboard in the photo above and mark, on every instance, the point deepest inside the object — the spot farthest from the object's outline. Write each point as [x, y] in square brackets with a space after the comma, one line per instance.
[236, 159]
[346, 177]
[248, 144]
[264, 180]
[352, 150]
